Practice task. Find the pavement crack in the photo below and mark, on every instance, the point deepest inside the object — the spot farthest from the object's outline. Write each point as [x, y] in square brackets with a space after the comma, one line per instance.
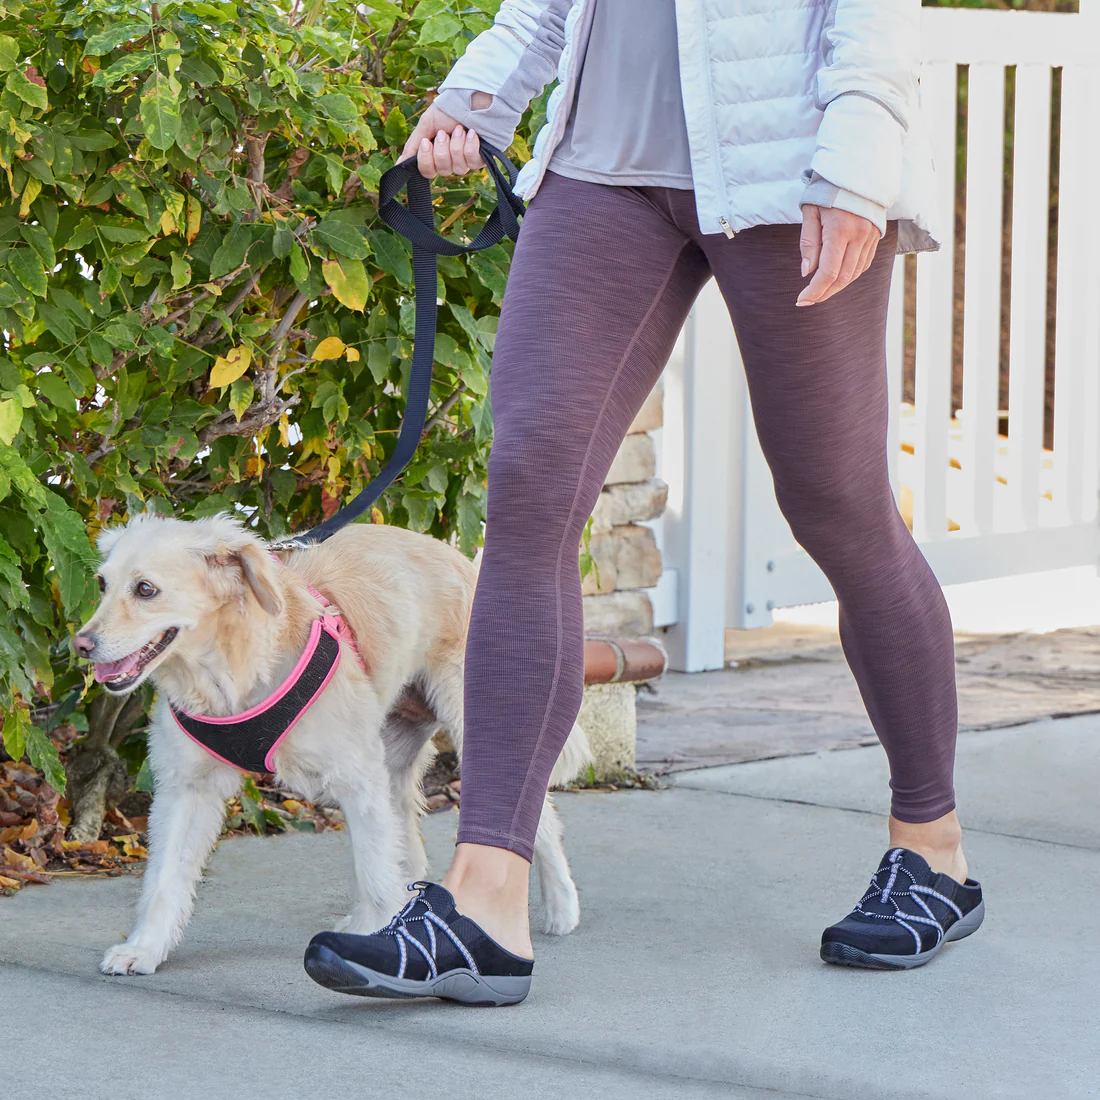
[967, 830]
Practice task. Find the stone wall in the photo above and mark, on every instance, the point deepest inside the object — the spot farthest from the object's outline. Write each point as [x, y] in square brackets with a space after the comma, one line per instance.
[625, 553]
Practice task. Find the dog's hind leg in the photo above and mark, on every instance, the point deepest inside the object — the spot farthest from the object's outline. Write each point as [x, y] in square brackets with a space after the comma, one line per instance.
[560, 905]
[184, 823]
[407, 736]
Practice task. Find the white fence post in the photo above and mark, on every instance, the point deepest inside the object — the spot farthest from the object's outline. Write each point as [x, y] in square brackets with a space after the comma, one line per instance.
[935, 312]
[1077, 297]
[1027, 338]
[895, 366]
[696, 464]
[982, 295]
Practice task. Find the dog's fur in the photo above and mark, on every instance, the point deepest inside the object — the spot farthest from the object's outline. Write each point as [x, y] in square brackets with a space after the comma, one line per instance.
[242, 622]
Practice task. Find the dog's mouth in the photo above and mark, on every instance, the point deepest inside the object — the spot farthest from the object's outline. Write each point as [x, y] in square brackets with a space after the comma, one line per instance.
[119, 676]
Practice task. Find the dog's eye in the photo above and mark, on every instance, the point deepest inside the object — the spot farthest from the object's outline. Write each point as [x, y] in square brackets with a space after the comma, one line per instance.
[101, 582]
[144, 590]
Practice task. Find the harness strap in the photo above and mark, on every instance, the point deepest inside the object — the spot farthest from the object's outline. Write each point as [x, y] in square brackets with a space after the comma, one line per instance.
[416, 221]
[248, 740]
[338, 624]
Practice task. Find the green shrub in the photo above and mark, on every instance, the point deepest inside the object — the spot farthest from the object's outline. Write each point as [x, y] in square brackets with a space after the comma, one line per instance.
[199, 306]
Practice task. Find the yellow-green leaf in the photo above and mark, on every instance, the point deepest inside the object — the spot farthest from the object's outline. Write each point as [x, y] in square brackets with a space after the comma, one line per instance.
[11, 418]
[15, 732]
[113, 37]
[181, 272]
[9, 58]
[240, 397]
[352, 354]
[42, 753]
[27, 90]
[229, 367]
[160, 115]
[26, 266]
[31, 191]
[174, 206]
[194, 217]
[331, 347]
[349, 281]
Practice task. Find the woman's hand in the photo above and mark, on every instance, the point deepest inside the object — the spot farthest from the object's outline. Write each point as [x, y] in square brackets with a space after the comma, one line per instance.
[837, 245]
[441, 146]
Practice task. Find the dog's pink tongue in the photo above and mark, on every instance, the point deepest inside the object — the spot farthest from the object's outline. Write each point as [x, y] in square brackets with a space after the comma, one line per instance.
[108, 670]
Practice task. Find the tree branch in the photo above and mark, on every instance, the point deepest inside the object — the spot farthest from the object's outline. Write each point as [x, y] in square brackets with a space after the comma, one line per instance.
[440, 416]
[258, 417]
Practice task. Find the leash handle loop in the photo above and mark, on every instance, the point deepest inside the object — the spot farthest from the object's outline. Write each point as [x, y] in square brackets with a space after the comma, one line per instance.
[416, 222]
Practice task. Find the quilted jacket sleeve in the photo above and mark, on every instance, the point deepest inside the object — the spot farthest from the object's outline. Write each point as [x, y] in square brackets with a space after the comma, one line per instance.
[867, 88]
[513, 61]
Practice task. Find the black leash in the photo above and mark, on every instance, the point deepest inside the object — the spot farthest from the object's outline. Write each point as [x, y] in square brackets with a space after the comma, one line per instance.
[416, 221]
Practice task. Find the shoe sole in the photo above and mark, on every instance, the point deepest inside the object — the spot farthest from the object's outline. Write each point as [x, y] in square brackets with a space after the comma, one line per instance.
[341, 975]
[841, 954]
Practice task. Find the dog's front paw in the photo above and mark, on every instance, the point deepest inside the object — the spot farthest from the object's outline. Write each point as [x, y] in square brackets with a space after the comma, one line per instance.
[130, 958]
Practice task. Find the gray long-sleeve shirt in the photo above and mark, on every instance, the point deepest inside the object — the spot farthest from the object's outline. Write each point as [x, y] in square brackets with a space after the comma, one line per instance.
[627, 125]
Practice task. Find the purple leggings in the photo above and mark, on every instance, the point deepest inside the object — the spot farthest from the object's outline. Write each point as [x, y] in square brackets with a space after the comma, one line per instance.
[602, 280]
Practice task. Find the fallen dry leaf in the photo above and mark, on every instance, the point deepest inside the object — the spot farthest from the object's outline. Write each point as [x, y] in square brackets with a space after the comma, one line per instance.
[87, 847]
[131, 846]
[13, 859]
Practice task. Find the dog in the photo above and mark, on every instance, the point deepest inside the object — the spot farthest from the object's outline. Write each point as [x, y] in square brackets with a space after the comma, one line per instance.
[206, 611]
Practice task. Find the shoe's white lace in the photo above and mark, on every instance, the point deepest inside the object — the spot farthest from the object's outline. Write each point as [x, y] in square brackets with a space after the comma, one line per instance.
[399, 929]
[886, 895]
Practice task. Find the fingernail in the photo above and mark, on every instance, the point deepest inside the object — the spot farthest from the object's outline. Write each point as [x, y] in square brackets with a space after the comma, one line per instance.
[805, 268]
[801, 303]
[425, 143]
[459, 130]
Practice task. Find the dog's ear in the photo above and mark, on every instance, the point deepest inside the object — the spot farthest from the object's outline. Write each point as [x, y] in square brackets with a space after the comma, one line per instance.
[258, 569]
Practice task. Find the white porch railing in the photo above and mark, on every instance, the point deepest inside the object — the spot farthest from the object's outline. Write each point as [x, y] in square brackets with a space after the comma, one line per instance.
[983, 505]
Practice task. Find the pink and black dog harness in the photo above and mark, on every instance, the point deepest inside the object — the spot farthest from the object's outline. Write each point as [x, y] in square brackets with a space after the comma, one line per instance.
[248, 740]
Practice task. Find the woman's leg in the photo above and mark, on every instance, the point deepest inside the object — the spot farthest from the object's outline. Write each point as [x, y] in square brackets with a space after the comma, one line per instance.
[599, 287]
[817, 379]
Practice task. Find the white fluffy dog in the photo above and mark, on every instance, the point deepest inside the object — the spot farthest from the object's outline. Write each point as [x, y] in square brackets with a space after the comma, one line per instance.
[205, 610]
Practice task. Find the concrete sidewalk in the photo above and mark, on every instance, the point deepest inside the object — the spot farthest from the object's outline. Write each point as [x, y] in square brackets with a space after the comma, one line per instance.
[694, 972]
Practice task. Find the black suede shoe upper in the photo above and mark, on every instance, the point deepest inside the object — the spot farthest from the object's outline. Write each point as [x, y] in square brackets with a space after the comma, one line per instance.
[907, 910]
[427, 938]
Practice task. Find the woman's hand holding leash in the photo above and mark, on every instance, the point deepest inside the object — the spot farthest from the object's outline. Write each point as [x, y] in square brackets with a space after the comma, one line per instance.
[839, 246]
[442, 146]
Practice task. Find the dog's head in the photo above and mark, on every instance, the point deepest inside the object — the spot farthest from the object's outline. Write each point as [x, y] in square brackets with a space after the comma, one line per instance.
[165, 584]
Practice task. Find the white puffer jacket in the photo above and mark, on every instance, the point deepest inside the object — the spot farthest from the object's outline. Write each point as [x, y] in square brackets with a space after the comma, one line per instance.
[777, 93]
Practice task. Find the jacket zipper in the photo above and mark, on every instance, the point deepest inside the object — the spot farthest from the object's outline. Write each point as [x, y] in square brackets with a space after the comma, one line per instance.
[726, 228]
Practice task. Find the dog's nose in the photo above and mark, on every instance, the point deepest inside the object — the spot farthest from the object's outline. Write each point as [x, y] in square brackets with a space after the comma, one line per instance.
[84, 644]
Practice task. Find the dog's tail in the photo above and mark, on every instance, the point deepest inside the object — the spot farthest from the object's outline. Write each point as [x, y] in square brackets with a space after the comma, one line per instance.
[575, 758]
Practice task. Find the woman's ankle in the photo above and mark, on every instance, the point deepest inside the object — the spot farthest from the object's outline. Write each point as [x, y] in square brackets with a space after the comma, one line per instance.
[490, 886]
[939, 842]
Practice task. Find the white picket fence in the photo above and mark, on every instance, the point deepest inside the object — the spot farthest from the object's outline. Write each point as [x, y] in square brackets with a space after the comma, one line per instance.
[982, 505]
